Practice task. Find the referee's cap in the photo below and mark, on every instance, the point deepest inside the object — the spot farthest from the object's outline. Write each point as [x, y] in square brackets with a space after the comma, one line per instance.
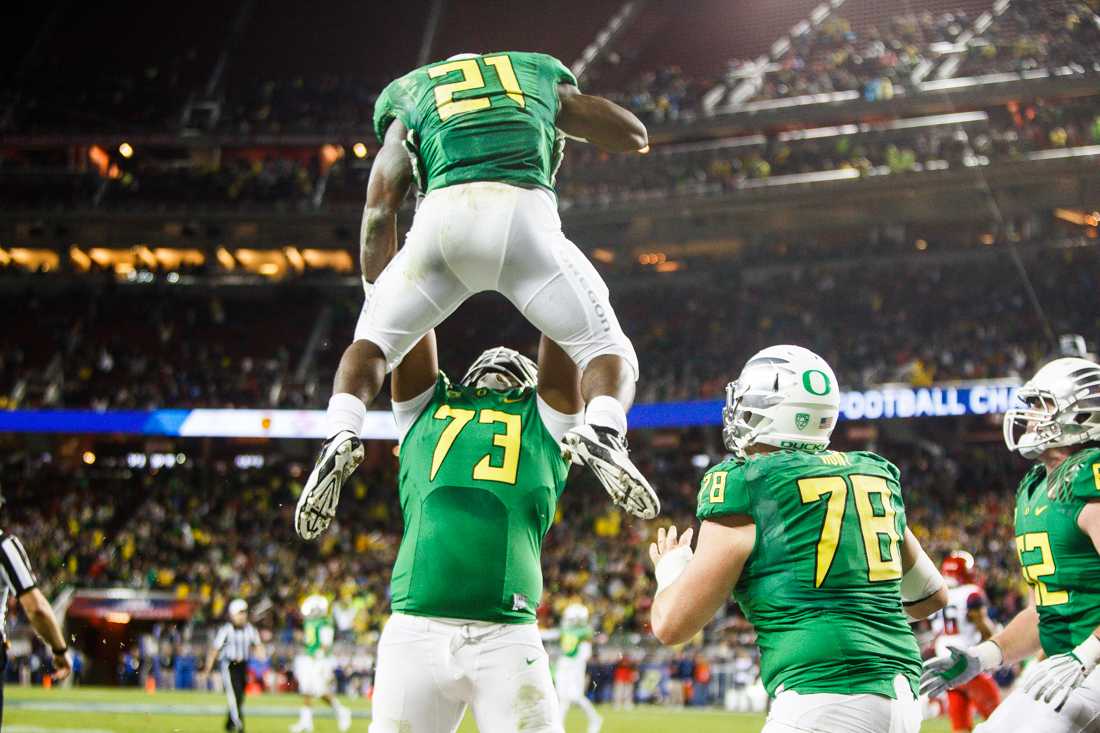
[237, 605]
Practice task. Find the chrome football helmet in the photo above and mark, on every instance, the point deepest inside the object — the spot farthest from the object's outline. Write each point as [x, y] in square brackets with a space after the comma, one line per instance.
[1061, 408]
[502, 368]
[786, 396]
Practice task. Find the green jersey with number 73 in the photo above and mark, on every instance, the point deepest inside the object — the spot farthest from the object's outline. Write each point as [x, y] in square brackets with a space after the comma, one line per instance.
[822, 586]
[479, 483]
[1059, 560]
[487, 117]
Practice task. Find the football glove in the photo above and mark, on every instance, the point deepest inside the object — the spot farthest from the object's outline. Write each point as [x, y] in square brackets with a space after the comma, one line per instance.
[1052, 680]
[958, 667]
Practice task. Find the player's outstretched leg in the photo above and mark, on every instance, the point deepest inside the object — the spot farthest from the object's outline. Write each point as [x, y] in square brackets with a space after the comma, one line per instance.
[607, 386]
[358, 380]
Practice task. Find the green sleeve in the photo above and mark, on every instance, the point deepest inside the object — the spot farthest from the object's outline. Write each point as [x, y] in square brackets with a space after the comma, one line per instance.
[1086, 482]
[879, 462]
[386, 110]
[724, 491]
[558, 71]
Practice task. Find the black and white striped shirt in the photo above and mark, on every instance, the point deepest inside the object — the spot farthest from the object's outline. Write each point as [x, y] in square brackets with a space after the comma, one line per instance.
[234, 644]
[16, 575]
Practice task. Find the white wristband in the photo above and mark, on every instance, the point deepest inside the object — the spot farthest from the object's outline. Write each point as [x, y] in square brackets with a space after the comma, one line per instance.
[989, 654]
[671, 565]
[1088, 651]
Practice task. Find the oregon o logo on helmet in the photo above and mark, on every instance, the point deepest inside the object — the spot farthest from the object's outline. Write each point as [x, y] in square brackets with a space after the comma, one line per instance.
[818, 386]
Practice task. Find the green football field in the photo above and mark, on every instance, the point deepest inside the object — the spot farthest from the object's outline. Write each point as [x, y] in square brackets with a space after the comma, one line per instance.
[99, 710]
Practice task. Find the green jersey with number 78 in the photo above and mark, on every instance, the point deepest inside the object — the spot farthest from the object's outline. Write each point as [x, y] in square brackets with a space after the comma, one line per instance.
[480, 117]
[479, 482]
[1058, 559]
[822, 584]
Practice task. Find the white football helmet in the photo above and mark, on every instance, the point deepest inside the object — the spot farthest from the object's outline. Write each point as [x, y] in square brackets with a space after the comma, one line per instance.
[574, 615]
[786, 396]
[502, 368]
[1061, 408]
[315, 606]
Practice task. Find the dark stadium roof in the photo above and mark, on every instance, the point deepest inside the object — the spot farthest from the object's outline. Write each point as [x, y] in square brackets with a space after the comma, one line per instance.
[378, 40]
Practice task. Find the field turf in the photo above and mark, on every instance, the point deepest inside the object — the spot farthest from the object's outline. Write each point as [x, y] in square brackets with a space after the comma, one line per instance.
[102, 710]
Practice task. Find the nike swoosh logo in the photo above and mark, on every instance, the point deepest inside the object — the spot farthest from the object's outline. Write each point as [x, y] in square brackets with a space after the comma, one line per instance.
[512, 400]
[530, 661]
[1042, 509]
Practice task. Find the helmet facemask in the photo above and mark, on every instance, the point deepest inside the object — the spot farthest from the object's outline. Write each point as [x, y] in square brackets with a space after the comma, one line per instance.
[501, 369]
[741, 420]
[1062, 409]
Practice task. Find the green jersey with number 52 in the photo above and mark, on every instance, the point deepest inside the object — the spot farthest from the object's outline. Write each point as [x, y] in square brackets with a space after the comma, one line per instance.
[479, 482]
[823, 583]
[1058, 559]
[489, 117]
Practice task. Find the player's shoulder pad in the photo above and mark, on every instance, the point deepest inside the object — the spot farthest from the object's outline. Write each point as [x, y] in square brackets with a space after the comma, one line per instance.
[1035, 473]
[391, 102]
[558, 70]
[867, 458]
[1083, 474]
[724, 490]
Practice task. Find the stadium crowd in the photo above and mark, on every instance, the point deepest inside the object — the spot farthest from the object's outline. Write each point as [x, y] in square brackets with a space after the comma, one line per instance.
[182, 348]
[297, 178]
[211, 527]
[876, 59]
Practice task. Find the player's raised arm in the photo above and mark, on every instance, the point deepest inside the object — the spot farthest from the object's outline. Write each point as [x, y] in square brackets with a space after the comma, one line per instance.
[923, 591]
[691, 587]
[390, 179]
[599, 121]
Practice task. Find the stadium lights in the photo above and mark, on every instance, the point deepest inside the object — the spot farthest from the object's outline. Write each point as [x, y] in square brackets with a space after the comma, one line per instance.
[360, 150]
[80, 259]
[225, 259]
[89, 457]
[921, 244]
[126, 150]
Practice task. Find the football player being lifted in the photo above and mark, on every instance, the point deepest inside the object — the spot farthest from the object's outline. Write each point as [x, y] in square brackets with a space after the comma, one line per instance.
[483, 135]
[814, 546]
[1057, 540]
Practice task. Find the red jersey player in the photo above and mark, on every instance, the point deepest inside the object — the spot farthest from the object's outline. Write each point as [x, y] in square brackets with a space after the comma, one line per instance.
[963, 623]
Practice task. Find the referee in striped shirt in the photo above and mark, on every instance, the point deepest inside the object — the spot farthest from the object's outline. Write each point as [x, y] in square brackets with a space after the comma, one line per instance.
[17, 577]
[232, 646]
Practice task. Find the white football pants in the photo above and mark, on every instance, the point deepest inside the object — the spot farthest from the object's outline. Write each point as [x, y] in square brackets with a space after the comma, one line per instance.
[474, 237]
[430, 669]
[831, 713]
[1019, 713]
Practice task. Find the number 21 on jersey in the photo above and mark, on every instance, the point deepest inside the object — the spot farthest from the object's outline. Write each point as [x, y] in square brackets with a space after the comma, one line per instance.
[878, 525]
[472, 77]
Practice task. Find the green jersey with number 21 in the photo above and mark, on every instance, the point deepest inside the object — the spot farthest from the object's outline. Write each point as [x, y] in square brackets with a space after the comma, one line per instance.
[489, 117]
[1058, 559]
[823, 583]
[479, 483]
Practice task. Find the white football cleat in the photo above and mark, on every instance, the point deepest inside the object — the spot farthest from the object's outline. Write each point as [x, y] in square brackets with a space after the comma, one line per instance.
[340, 456]
[604, 451]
